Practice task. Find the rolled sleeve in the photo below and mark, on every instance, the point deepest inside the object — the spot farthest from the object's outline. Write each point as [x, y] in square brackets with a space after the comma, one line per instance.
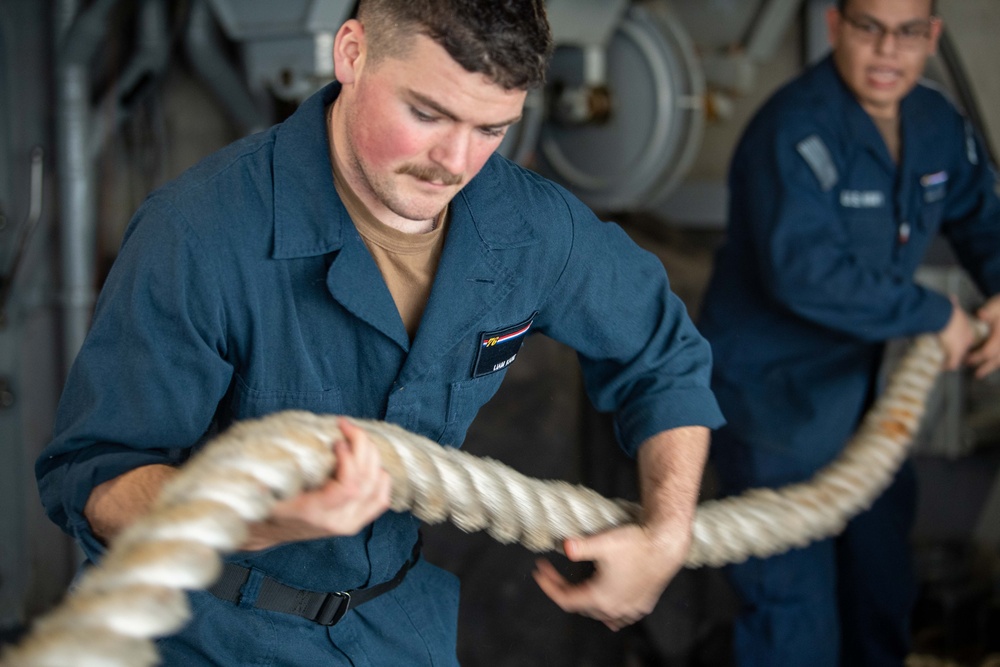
[150, 374]
[68, 485]
[642, 357]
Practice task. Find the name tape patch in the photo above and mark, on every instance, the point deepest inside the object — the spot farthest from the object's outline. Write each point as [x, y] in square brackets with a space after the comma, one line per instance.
[861, 199]
[498, 349]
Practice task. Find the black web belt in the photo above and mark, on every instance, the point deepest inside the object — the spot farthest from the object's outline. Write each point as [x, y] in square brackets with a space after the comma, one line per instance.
[316, 606]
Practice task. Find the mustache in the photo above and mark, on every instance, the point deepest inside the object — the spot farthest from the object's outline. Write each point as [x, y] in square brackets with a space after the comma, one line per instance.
[430, 174]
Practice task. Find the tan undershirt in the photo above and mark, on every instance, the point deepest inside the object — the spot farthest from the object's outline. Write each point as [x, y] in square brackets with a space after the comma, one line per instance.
[889, 129]
[408, 262]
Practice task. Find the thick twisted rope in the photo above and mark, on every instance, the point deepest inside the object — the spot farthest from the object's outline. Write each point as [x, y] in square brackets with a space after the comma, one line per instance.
[137, 591]
[765, 522]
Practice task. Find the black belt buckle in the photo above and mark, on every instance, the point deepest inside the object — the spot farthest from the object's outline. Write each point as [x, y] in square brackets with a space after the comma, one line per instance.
[333, 608]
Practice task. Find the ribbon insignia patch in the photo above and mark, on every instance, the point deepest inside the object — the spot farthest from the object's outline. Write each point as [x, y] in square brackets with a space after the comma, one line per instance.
[498, 349]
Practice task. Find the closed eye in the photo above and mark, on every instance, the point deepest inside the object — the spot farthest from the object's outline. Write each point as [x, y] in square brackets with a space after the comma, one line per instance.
[422, 116]
[494, 132]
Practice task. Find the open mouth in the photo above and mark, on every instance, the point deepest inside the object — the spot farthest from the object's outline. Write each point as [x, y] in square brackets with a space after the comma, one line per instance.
[884, 77]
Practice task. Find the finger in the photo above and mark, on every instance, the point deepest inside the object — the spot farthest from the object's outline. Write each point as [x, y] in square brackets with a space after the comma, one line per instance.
[351, 434]
[954, 358]
[987, 367]
[990, 311]
[986, 352]
[584, 548]
[383, 492]
[991, 317]
[369, 459]
[575, 598]
[365, 459]
[992, 341]
[616, 625]
[545, 570]
[346, 468]
[554, 585]
[979, 357]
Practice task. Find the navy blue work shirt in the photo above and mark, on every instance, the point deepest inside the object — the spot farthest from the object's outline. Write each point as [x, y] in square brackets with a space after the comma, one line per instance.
[243, 288]
[825, 233]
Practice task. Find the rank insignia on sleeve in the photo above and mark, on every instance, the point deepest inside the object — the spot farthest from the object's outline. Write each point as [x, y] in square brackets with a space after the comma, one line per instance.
[498, 349]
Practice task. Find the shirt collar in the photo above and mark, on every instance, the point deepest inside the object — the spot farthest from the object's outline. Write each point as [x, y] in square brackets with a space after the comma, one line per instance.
[309, 218]
[860, 126]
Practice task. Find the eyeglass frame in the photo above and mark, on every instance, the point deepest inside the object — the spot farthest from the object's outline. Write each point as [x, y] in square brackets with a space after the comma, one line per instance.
[905, 41]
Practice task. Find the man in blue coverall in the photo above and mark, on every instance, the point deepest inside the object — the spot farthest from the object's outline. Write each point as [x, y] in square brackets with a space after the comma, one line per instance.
[837, 188]
[373, 256]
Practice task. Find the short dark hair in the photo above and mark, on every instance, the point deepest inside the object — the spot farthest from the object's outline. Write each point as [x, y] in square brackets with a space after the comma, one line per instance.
[842, 5]
[509, 41]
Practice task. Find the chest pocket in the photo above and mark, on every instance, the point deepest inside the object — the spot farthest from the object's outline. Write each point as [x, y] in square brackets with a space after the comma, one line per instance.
[248, 402]
[465, 398]
[932, 192]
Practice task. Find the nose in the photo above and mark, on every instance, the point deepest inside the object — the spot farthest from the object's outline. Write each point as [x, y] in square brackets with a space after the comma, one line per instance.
[887, 43]
[452, 151]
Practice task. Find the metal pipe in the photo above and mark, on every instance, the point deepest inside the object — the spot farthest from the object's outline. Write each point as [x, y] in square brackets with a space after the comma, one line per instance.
[25, 232]
[963, 88]
[210, 63]
[140, 76]
[815, 41]
[770, 28]
[77, 217]
[78, 36]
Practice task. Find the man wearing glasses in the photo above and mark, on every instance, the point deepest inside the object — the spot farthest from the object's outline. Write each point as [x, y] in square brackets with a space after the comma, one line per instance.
[837, 189]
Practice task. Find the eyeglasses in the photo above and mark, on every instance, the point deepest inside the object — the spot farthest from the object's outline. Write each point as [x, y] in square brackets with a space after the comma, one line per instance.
[909, 36]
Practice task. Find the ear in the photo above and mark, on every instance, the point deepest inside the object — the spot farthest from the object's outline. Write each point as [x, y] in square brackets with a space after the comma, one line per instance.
[349, 48]
[833, 24]
[937, 26]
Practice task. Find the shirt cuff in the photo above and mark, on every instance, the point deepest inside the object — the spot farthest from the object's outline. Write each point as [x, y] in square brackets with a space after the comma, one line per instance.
[690, 407]
[99, 463]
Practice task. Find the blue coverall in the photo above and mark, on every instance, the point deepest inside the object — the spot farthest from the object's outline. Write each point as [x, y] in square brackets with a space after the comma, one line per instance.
[816, 273]
[243, 288]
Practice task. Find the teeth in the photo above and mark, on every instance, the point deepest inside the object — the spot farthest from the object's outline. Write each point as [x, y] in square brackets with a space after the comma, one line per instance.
[884, 75]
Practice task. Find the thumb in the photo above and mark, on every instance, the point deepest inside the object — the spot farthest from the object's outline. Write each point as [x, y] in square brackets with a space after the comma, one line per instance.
[582, 548]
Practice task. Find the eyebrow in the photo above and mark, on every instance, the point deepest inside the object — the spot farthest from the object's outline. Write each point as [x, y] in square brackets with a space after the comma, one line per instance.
[872, 19]
[428, 102]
